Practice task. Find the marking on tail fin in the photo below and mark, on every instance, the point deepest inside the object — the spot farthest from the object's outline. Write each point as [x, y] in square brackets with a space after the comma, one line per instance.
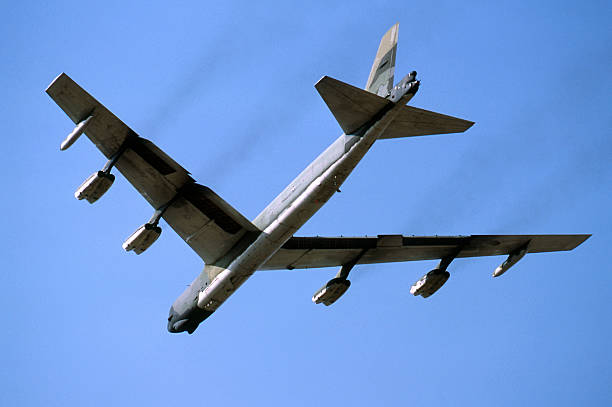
[380, 80]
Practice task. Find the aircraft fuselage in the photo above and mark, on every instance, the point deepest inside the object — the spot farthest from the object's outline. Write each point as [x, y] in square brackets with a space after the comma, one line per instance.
[302, 198]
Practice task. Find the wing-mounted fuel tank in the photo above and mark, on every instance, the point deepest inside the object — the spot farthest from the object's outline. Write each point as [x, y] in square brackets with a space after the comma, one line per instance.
[76, 133]
[512, 259]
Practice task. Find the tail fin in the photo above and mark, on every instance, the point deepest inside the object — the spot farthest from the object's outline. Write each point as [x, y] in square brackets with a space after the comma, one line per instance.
[353, 107]
[380, 81]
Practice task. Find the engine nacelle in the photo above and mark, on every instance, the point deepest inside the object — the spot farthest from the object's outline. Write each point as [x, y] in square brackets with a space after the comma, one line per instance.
[430, 283]
[330, 292]
[142, 239]
[95, 186]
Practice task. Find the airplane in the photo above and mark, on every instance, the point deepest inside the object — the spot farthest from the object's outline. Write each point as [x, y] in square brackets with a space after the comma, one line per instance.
[234, 248]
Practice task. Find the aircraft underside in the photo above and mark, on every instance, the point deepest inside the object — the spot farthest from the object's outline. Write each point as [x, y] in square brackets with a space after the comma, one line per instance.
[233, 247]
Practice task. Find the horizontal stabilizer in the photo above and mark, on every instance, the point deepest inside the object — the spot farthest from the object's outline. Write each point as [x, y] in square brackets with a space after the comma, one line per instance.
[412, 121]
[352, 107]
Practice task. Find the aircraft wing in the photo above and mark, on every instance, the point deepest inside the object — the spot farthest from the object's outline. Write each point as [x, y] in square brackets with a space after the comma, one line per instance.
[312, 252]
[203, 219]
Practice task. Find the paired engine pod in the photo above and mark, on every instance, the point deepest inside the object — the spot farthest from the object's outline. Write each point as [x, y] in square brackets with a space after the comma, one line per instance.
[330, 292]
[95, 186]
[430, 283]
[142, 239]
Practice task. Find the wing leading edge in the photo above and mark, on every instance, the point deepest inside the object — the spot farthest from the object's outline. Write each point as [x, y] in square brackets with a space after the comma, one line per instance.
[314, 252]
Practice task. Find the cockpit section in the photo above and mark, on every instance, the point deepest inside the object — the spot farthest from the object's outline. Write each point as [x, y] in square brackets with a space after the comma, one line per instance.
[188, 321]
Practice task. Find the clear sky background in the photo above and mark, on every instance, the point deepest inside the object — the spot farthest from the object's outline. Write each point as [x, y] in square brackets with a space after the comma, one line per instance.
[226, 89]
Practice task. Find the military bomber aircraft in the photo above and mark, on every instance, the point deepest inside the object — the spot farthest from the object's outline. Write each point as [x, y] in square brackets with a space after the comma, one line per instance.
[233, 248]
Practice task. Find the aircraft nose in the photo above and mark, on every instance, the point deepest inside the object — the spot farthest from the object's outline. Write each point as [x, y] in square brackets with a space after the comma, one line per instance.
[179, 326]
[172, 315]
[182, 322]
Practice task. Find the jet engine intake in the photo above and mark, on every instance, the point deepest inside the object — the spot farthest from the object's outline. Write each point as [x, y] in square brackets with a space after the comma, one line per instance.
[430, 283]
[143, 238]
[95, 186]
[330, 292]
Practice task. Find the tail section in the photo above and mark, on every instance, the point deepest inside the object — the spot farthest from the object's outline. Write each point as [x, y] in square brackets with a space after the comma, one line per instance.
[355, 108]
[380, 81]
[412, 121]
[352, 107]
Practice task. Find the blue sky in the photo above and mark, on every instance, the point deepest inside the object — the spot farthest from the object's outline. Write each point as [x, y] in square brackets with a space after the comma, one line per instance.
[227, 90]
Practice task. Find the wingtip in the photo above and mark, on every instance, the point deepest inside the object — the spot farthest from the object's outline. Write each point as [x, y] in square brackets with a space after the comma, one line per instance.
[326, 79]
[578, 240]
[57, 78]
[321, 79]
[392, 32]
[465, 126]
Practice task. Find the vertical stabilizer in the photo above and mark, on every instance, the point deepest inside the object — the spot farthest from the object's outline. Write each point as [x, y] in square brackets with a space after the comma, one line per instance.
[383, 69]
